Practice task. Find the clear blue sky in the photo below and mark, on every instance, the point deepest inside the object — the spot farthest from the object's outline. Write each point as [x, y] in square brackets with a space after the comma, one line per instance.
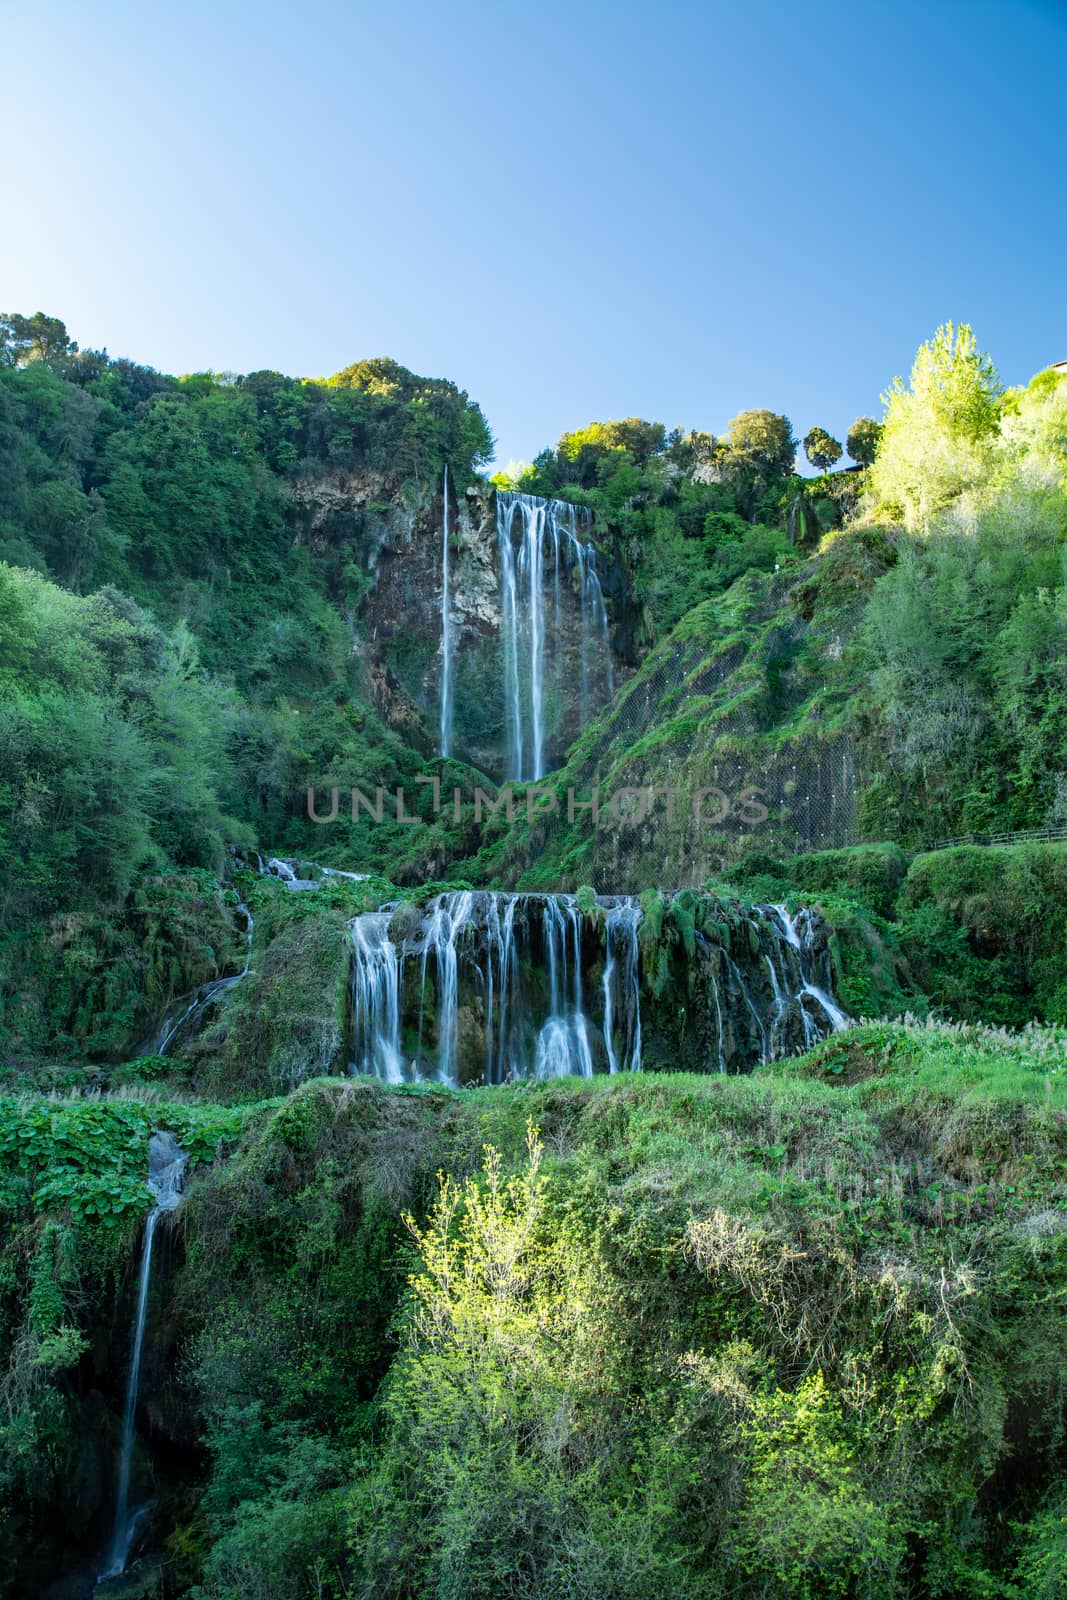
[574, 211]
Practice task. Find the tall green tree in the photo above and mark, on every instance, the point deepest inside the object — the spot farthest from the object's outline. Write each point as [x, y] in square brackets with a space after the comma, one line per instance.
[821, 448]
[863, 439]
[36, 338]
[765, 440]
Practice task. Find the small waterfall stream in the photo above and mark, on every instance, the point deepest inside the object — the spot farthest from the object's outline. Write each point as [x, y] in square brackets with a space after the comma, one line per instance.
[547, 546]
[446, 629]
[166, 1176]
[797, 931]
[297, 875]
[621, 930]
[161, 1041]
[482, 987]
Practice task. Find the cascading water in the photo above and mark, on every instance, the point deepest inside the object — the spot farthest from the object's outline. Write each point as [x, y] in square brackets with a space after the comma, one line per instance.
[296, 875]
[166, 1177]
[299, 874]
[489, 987]
[161, 1041]
[563, 1041]
[449, 917]
[376, 997]
[798, 1011]
[548, 544]
[797, 931]
[493, 987]
[446, 629]
[621, 983]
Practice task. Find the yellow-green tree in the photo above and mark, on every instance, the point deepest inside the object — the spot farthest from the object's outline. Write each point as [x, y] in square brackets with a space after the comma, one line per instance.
[940, 429]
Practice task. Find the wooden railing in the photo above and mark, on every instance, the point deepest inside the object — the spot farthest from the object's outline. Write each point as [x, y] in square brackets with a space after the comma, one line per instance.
[1024, 836]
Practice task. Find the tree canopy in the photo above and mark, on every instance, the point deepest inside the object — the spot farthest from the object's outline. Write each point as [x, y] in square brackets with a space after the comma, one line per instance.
[821, 448]
[939, 428]
[765, 440]
[863, 440]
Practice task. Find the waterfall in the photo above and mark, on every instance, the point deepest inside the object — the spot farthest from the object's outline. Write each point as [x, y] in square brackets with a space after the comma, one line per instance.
[794, 507]
[501, 979]
[512, 966]
[798, 933]
[295, 875]
[563, 1041]
[492, 987]
[449, 916]
[161, 1040]
[446, 631]
[548, 545]
[166, 1174]
[783, 1001]
[376, 997]
[621, 925]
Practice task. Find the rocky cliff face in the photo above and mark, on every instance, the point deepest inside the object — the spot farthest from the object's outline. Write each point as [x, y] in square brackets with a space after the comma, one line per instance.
[383, 549]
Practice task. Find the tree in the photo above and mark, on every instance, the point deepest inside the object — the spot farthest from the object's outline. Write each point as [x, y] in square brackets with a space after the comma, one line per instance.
[940, 429]
[822, 449]
[863, 440]
[765, 440]
[36, 338]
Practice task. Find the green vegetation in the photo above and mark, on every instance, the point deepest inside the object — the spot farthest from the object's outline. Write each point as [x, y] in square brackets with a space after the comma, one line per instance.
[939, 431]
[978, 934]
[794, 1335]
[904, 681]
[798, 1333]
[863, 439]
[689, 513]
[822, 449]
[173, 700]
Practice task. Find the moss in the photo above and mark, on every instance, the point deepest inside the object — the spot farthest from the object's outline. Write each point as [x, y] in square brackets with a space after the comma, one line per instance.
[287, 1020]
[985, 930]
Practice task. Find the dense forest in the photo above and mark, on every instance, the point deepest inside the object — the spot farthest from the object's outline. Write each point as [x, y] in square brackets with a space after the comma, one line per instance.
[447, 1310]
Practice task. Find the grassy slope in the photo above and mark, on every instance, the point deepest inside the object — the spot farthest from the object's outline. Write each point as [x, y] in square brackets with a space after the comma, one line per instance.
[820, 1349]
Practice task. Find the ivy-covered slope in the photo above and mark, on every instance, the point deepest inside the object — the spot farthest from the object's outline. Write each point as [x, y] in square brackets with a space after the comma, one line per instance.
[798, 1333]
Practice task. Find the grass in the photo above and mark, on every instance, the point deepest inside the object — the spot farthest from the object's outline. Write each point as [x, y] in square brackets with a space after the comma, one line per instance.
[879, 1218]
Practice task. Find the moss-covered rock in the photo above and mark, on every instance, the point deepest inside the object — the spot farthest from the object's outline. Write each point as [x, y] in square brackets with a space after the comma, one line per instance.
[985, 930]
[287, 1020]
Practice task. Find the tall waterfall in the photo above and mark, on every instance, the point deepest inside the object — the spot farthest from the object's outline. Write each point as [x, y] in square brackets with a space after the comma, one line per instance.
[480, 987]
[446, 628]
[540, 545]
[166, 1176]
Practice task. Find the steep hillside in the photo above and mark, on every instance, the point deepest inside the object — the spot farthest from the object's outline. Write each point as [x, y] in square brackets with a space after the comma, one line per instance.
[450, 1191]
[797, 1333]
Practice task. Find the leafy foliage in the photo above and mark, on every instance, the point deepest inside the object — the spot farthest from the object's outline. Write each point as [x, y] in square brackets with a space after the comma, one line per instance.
[939, 429]
[691, 1333]
[821, 448]
[863, 439]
